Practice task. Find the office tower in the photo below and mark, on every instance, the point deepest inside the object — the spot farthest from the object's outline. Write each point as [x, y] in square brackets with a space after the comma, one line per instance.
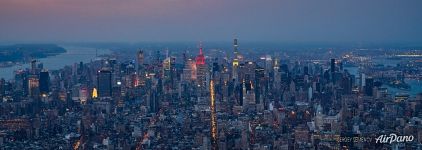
[40, 66]
[21, 82]
[285, 68]
[2, 87]
[83, 95]
[306, 70]
[140, 63]
[369, 85]
[333, 65]
[201, 69]
[44, 82]
[340, 65]
[276, 74]
[235, 48]
[236, 59]
[33, 86]
[235, 66]
[346, 84]
[215, 66]
[237, 56]
[153, 101]
[34, 66]
[362, 80]
[168, 65]
[259, 83]
[189, 71]
[104, 80]
[310, 92]
[80, 68]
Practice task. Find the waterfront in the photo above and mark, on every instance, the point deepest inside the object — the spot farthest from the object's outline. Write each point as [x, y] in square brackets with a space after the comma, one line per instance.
[416, 85]
[73, 55]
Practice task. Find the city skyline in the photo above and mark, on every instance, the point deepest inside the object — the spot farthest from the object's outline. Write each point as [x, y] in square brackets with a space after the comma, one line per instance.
[210, 75]
[190, 20]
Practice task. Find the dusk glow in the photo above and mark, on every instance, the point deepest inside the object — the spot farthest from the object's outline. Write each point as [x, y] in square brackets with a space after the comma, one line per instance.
[210, 74]
[190, 20]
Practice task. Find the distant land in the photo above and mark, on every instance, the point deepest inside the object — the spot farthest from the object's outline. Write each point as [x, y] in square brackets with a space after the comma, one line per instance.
[23, 53]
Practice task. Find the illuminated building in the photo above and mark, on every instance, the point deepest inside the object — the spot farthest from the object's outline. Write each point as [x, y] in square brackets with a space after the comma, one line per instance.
[33, 86]
[94, 93]
[235, 68]
[236, 52]
[83, 95]
[201, 69]
[277, 74]
[167, 67]
[189, 71]
[236, 59]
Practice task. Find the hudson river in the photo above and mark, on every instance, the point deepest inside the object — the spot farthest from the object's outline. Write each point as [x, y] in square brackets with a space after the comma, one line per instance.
[71, 56]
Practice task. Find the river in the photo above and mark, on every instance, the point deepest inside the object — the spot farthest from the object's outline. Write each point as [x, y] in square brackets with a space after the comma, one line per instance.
[72, 55]
[416, 85]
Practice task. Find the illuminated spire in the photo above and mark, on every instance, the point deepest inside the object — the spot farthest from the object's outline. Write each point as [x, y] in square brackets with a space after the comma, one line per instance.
[200, 59]
[94, 93]
[200, 48]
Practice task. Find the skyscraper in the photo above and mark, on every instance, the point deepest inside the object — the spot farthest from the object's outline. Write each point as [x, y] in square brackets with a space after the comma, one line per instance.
[152, 102]
[235, 48]
[369, 85]
[44, 82]
[34, 66]
[33, 86]
[201, 69]
[333, 65]
[140, 62]
[104, 83]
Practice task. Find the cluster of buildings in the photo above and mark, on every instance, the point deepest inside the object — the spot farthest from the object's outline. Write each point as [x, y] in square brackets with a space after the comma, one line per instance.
[215, 100]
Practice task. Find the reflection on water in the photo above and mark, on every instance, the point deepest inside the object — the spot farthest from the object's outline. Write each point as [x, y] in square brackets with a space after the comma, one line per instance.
[73, 55]
[416, 85]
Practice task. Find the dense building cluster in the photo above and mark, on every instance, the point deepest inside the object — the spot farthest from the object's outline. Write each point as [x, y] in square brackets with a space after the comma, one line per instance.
[216, 100]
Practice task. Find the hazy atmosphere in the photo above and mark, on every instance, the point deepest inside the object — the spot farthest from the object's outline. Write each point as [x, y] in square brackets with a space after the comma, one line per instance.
[218, 20]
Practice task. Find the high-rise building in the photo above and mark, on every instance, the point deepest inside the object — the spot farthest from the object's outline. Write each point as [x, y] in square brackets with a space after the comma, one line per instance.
[333, 65]
[33, 86]
[44, 82]
[140, 62]
[189, 71]
[83, 95]
[369, 85]
[153, 101]
[362, 80]
[21, 81]
[201, 69]
[2, 87]
[235, 48]
[104, 80]
[34, 66]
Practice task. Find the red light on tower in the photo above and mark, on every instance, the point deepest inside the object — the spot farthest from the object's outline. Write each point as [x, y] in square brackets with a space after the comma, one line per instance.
[200, 59]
